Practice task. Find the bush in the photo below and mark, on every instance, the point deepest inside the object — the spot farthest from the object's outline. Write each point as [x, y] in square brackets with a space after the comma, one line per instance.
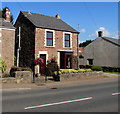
[52, 69]
[85, 66]
[96, 68]
[3, 66]
[6, 75]
[15, 68]
[111, 69]
[104, 68]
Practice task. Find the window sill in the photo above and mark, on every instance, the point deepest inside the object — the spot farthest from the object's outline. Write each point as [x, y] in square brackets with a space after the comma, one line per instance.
[49, 46]
[67, 47]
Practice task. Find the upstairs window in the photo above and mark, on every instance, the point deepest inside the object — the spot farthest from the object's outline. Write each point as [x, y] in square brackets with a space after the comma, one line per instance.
[67, 40]
[49, 38]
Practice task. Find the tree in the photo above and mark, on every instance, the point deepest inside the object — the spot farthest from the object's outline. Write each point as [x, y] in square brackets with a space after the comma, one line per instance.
[84, 44]
[2, 14]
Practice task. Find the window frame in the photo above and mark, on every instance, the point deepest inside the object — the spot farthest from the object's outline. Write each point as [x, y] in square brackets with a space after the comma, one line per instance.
[53, 38]
[48, 38]
[70, 39]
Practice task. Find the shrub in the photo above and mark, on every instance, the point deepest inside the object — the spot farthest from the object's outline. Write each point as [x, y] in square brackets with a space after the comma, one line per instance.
[6, 75]
[96, 68]
[15, 68]
[81, 70]
[65, 71]
[3, 66]
[87, 70]
[52, 69]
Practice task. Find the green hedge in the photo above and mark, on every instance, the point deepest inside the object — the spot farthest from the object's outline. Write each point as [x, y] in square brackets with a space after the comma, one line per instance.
[96, 68]
[104, 68]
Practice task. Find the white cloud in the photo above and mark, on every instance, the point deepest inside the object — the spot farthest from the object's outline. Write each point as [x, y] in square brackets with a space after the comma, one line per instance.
[83, 30]
[103, 29]
[80, 41]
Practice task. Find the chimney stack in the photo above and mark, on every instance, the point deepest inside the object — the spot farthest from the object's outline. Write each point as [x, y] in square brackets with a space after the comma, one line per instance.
[7, 15]
[57, 16]
[100, 33]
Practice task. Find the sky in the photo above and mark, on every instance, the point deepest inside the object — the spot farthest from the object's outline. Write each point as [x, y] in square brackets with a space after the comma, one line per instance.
[85, 17]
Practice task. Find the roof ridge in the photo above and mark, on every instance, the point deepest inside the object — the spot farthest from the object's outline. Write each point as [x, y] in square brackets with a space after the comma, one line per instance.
[40, 14]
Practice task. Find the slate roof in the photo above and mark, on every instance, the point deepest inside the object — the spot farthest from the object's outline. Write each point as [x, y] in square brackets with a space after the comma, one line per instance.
[5, 24]
[43, 21]
[112, 40]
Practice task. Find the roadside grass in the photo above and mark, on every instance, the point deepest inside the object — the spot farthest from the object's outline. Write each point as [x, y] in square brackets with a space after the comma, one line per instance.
[113, 72]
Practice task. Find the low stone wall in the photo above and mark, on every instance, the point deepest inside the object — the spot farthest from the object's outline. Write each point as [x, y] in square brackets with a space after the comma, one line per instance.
[80, 74]
[20, 77]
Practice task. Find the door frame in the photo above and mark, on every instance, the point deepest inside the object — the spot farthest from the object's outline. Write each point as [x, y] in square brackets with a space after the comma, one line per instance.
[42, 52]
[65, 56]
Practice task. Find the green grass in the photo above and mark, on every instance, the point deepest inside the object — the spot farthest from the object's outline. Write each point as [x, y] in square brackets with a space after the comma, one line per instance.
[113, 72]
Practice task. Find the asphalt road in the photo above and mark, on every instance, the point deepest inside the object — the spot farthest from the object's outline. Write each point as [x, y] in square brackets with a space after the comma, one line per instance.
[96, 97]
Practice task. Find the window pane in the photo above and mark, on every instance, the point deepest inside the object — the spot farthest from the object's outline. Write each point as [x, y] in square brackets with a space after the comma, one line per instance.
[49, 34]
[67, 44]
[67, 36]
[49, 42]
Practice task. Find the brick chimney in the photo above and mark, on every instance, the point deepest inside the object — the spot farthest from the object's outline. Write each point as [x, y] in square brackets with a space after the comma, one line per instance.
[100, 33]
[57, 16]
[7, 15]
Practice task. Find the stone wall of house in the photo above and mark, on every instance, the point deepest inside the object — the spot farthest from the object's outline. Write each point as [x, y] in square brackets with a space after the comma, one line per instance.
[27, 41]
[53, 51]
[8, 43]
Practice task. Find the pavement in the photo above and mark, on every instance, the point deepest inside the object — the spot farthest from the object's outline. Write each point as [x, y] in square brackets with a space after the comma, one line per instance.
[53, 85]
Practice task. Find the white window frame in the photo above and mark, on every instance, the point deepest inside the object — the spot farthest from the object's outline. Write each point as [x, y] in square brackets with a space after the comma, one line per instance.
[49, 30]
[64, 39]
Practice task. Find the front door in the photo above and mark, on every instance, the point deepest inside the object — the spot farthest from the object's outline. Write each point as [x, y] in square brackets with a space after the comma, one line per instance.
[65, 60]
[42, 64]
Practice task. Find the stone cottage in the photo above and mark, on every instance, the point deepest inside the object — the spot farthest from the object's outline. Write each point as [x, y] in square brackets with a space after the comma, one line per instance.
[7, 41]
[46, 37]
[103, 51]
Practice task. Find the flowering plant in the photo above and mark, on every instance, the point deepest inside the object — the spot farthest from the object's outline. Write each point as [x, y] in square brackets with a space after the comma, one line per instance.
[53, 59]
[37, 61]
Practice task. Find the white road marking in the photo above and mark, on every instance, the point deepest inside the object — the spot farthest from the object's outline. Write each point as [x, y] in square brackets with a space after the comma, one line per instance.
[116, 93]
[51, 104]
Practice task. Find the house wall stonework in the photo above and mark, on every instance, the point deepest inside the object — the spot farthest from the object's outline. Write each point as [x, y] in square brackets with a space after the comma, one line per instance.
[53, 51]
[8, 40]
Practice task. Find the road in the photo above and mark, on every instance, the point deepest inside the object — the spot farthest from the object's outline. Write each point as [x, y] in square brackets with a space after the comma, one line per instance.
[95, 97]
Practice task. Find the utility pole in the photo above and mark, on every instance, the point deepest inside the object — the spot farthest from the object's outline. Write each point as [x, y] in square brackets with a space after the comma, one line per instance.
[18, 50]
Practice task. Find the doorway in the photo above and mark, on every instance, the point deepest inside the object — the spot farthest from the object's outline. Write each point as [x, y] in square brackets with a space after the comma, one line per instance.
[42, 64]
[65, 60]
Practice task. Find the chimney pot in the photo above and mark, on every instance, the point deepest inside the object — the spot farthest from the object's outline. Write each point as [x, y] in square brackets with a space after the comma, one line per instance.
[57, 16]
[7, 15]
[100, 33]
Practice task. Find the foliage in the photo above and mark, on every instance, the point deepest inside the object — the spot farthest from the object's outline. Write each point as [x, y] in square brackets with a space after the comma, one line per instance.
[96, 68]
[15, 68]
[6, 75]
[104, 68]
[2, 14]
[74, 71]
[37, 61]
[84, 44]
[52, 69]
[84, 66]
[3, 66]
[111, 69]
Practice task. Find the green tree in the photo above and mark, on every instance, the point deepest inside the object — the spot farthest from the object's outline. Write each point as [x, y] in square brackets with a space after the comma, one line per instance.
[84, 44]
[2, 14]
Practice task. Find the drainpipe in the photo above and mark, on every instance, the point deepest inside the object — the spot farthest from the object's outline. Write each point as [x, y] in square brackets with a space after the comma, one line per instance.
[77, 53]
